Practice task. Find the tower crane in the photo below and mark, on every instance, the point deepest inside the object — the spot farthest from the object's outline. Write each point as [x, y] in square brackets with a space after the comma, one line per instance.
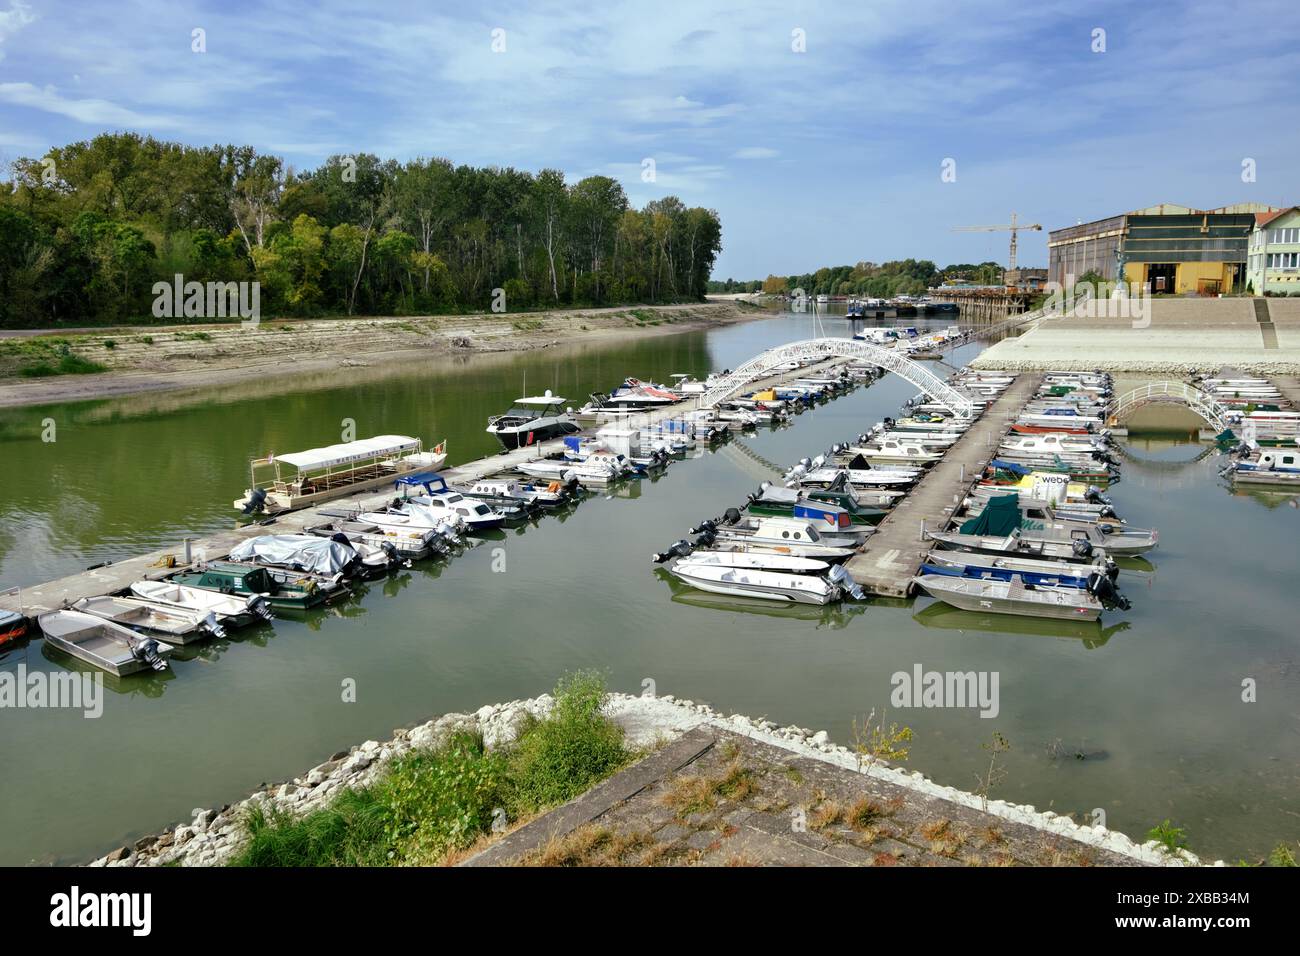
[1014, 227]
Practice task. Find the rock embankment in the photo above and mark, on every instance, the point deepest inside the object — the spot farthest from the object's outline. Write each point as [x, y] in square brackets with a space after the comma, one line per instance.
[213, 837]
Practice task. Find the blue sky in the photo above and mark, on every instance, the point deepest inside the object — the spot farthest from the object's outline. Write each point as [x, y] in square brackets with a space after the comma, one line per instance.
[828, 156]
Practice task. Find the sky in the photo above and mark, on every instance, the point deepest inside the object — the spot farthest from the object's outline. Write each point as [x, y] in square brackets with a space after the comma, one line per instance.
[820, 132]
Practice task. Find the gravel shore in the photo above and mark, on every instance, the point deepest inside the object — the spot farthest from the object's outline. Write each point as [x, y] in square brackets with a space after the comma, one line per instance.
[214, 836]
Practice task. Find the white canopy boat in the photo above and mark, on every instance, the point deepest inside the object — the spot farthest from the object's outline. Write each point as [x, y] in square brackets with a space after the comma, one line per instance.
[303, 478]
[103, 644]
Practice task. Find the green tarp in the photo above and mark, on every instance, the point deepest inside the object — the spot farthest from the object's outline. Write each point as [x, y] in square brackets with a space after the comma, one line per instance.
[1000, 517]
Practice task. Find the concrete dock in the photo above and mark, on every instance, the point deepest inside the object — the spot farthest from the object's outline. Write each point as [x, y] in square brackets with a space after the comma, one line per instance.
[893, 554]
[118, 575]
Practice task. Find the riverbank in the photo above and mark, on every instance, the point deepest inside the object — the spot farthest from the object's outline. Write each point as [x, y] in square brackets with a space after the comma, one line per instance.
[152, 359]
[1175, 338]
[653, 725]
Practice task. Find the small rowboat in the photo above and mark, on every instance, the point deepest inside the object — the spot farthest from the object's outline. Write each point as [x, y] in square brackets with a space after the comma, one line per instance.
[103, 644]
[172, 624]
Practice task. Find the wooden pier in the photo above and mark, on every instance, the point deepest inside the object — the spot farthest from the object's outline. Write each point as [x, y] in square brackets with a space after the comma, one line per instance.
[893, 554]
[118, 575]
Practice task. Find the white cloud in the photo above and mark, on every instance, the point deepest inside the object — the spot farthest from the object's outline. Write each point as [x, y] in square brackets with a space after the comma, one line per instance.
[12, 20]
[755, 152]
[96, 112]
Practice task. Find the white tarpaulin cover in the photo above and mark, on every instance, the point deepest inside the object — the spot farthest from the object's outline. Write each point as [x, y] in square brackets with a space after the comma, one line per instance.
[349, 452]
[302, 552]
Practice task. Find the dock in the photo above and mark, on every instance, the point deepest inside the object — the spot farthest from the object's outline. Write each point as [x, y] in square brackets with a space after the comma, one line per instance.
[118, 575]
[893, 554]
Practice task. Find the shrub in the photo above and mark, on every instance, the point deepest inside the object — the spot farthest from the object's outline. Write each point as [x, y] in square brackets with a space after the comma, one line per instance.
[432, 801]
[562, 756]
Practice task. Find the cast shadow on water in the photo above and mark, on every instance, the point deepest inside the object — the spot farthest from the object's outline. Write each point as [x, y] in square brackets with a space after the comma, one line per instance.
[1091, 634]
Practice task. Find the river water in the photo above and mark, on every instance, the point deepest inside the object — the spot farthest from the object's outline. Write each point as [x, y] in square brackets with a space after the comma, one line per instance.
[1141, 718]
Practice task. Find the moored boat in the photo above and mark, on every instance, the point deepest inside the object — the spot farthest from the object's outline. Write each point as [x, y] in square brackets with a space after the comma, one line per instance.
[111, 647]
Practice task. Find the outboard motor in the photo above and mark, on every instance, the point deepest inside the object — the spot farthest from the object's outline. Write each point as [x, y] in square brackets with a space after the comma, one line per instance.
[256, 502]
[211, 625]
[260, 606]
[679, 549]
[1112, 569]
[842, 580]
[1094, 496]
[707, 526]
[731, 516]
[1107, 512]
[1104, 590]
[147, 651]
[705, 540]
[1082, 548]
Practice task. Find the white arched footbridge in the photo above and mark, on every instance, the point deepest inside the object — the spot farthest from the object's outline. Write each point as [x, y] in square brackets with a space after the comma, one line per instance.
[1202, 404]
[891, 360]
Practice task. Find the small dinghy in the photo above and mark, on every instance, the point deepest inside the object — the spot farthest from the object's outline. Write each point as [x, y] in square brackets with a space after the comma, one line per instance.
[13, 626]
[174, 625]
[1011, 597]
[111, 647]
[232, 610]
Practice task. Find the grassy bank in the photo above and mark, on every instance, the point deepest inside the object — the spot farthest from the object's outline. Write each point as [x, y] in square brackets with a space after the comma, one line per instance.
[433, 802]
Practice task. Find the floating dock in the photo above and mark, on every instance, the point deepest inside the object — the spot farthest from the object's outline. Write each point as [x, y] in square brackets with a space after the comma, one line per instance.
[118, 575]
[893, 554]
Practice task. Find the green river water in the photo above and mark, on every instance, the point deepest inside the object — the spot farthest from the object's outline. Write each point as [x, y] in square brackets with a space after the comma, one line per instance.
[1152, 699]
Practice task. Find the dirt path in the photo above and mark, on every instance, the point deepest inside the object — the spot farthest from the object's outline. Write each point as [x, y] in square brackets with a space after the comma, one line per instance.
[149, 358]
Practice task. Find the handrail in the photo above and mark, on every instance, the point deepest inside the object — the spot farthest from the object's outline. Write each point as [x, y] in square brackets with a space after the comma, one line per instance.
[1204, 405]
[891, 360]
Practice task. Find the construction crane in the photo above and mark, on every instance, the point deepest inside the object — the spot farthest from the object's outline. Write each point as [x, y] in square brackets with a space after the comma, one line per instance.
[1013, 226]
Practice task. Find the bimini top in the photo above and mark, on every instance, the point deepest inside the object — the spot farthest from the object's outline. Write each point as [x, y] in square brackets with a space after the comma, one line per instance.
[349, 452]
[547, 399]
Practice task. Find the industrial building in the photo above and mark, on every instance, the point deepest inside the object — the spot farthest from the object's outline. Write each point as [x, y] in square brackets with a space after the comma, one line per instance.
[1175, 249]
[1274, 264]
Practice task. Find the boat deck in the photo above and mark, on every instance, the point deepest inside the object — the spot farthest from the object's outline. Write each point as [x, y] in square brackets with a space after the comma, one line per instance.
[885, 565]
[110, 578]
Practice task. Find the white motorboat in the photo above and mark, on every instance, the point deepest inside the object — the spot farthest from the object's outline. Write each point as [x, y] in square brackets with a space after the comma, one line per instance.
[475, 515]
[765, 585]
[595, 473]
[784, 531]
[232, 610]
[103, 644]
[173, 624]
[895, 450]
[858, 477]
[532, 419]
[413, 517]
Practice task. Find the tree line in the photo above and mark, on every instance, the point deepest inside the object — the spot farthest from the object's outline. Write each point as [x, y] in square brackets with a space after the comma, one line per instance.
[870, 279]
[86, 231]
